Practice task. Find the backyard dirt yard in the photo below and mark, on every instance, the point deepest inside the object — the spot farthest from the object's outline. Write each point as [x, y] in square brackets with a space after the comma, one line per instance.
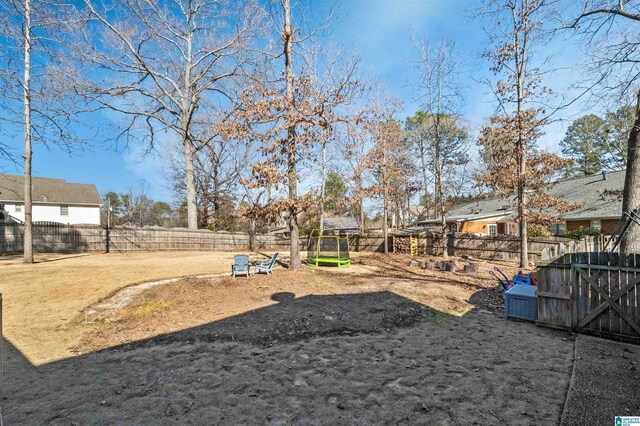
[107, 339]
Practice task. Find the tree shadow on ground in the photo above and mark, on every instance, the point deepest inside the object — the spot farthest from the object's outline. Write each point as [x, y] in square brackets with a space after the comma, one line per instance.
[371, 358]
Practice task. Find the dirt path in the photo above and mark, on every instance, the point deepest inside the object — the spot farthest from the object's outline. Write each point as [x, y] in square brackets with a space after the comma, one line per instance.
[110, 307]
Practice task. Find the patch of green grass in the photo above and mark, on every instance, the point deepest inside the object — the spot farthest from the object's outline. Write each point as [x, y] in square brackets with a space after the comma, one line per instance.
[150, 308]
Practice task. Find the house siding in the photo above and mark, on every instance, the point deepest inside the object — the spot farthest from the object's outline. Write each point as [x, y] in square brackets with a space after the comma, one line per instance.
[476, 227]
[482, 227]
[609, 226]
[51, 213]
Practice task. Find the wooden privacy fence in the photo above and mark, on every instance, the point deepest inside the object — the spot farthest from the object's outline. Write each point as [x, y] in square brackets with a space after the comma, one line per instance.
[501, 247]
[592, 293]
[61, 238]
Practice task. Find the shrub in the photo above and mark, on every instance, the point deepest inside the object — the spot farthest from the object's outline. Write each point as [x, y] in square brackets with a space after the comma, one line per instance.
[536, 230]
[580, 233]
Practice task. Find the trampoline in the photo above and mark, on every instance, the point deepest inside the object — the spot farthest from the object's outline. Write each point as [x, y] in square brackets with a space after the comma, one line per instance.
[328, 250]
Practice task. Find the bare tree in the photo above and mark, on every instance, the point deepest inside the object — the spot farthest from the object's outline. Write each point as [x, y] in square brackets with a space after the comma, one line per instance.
[356, 146]
[28, 149]
[290, 122]
[612, 29]
[333, 73]
[134, 202]
[290, 141]
[389, 168]
[168, 65]
[440, 95]
[218, 168]
[518, 27]
[33, 97]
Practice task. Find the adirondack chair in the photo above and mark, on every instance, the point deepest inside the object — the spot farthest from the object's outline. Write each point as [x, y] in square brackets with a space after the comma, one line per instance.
[240, 265]
[266, 265]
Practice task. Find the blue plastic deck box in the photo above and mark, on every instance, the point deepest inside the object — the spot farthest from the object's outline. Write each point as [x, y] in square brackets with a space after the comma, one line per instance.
[520, 302]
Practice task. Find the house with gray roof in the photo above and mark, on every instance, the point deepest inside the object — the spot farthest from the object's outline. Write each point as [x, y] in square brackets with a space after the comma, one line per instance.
[597, 195]
[482, 217]
[600, 200]
[54, 200]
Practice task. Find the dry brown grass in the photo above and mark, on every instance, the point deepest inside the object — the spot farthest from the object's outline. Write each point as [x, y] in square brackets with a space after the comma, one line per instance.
[41, 301]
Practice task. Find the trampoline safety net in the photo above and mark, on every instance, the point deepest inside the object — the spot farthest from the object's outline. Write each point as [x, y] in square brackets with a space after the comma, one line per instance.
[328, 247]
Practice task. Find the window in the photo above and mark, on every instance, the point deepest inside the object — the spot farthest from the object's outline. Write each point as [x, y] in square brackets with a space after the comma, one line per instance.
[558, 229]
[595, 225]
[18, 208]
[64, 210]
[493, 229]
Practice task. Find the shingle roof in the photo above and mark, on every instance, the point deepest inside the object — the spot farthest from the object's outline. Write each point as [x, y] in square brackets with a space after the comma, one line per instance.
[587, 191]
[590, 193]
[341, 223]
[50, 191]
[482, 208]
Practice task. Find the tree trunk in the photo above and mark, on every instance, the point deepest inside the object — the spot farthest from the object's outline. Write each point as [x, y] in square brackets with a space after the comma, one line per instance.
[522, 196]
[521, 145]
[408, 217]
[425, 181]
[292, 174]
[190, 176]
[252, 234]
[28, 217]
[440, 197]
[362, 218]
[524, 249]
[323, 185]
[385, 228]
[631, 198]
[189, 149]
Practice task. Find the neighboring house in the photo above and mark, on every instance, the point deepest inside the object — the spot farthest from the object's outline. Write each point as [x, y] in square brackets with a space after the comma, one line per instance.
[598, 197]
[482, 217]
[54, 200]
[342, 225]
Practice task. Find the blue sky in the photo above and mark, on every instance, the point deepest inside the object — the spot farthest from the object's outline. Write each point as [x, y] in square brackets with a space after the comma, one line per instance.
[381, 31]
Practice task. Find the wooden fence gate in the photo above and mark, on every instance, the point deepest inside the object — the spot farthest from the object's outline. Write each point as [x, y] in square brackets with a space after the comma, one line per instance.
[591, 293]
